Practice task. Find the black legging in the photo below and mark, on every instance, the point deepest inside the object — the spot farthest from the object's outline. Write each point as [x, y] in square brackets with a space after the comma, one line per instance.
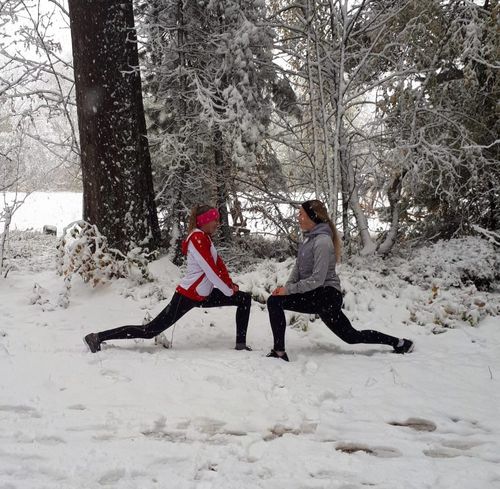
[180, 305]
[327, 302]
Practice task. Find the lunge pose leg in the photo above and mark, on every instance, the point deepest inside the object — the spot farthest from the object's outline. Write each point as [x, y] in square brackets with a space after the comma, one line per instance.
[314, 287]
[206, 284]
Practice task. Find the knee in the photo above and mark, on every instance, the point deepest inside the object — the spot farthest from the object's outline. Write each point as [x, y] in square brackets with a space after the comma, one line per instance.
[244, 299]
[273, 301]
[350, 339]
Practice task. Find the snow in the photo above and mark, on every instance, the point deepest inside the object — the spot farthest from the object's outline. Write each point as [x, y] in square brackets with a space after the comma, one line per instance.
[42, 208]
[202, 415]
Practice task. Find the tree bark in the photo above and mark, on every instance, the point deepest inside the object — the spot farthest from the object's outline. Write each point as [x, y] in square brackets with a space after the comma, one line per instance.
[118, 193]
[394, 196]
[222, 175]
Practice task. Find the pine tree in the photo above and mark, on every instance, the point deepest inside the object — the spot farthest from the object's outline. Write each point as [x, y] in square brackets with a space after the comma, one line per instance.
[210, 68]
[116, 169]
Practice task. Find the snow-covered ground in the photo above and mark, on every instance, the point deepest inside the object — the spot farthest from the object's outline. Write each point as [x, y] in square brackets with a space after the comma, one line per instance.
[202, 415]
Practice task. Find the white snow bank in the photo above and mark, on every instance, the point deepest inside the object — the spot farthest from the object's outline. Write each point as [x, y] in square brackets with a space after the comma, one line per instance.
[40, 208]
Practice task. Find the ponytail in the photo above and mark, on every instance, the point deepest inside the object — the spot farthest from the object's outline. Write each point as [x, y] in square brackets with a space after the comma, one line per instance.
[337, 244]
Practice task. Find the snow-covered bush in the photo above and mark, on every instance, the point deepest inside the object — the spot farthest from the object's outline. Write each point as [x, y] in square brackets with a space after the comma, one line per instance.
[245, 251]
[30, 251]
[438, 286]
[446, 283]
[453, 307]
[453, 263]
[83, 250]
[264, 277]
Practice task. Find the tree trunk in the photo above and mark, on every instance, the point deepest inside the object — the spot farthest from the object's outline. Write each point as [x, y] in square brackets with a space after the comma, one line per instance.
[346, 230]
[118, 193]
[3, 237]
[368, 245]
[222, 175]
[394, 196]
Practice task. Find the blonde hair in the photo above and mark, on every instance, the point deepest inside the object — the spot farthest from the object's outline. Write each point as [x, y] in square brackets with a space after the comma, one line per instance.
[320, 210]
[196, 211]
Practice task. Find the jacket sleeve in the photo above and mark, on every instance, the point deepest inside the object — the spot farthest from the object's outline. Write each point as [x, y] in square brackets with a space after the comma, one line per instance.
[199, 246]
[224, 274]
[322, 250]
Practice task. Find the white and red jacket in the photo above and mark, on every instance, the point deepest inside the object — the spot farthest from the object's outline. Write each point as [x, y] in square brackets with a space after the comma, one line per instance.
[205, 269]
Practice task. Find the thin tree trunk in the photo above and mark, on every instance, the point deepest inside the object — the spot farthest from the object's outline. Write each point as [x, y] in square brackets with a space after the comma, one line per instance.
[367, 242]
[222, 175]
[345, 210]
[394, 195]
[349, 185]
[317, 187]
[328, 163]
[5, 234]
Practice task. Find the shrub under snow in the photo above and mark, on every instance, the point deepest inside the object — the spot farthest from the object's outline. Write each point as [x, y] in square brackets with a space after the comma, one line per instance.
[84, 251]
[453, 263]
[441, 286]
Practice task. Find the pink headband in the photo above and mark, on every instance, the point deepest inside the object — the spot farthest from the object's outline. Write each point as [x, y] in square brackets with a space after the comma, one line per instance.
[206, 217]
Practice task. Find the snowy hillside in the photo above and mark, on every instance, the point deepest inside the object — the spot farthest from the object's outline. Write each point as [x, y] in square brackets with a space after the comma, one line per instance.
[202, 415]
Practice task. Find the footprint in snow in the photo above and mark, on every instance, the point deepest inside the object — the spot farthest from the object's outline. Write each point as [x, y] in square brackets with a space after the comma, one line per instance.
[443, 452]
[417, 424]
[115, 376]
[310, 368]
[111, 476]
[453, 448]
[383, 452]
[461, 444]
[208, 426]
[446, 448]
[278, 430]
[20, 409]
[327, 396]
[77, 407]
[50, 440]
[221, 382]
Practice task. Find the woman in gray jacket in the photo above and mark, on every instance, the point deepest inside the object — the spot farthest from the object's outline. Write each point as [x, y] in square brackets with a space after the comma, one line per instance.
[314, 287]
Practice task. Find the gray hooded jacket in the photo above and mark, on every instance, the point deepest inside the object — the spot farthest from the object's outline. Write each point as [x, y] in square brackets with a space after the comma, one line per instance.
[315, 265]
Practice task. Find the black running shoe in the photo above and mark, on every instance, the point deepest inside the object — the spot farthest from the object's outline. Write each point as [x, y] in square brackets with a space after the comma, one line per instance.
[93, 343]
[406, 347]
[242, 346]
[273, 354]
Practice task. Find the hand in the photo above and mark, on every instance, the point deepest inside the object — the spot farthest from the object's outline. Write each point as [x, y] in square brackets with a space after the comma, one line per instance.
[235, 288]
[279, 291]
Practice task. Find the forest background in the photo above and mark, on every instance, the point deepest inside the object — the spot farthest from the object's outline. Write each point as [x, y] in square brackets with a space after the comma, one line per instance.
[385, 110]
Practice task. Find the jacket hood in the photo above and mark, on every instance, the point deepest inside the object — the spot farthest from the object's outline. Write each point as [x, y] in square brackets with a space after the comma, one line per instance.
[185, 243]
[321, 228]
[184, 246]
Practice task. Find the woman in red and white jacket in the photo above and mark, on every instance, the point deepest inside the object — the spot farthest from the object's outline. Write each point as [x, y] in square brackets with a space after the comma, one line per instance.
[206, 284]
